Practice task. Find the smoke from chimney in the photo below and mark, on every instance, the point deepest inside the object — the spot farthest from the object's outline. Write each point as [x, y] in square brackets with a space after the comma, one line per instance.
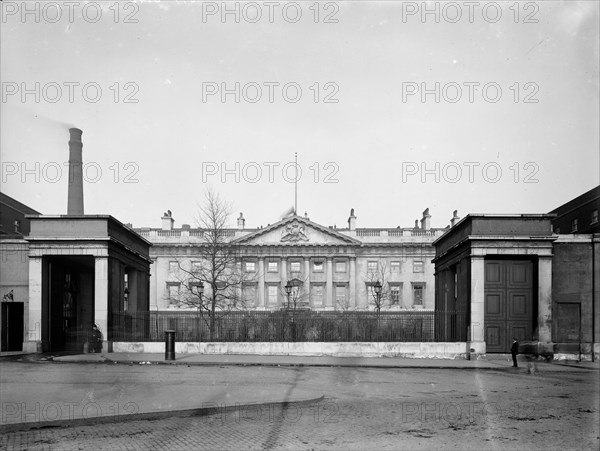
[75, 199]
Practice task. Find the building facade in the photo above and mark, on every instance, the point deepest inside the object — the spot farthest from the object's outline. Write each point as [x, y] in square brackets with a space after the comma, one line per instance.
[14, 271]
[576, 276]
[496, 271]
[579, 215]
[62, 274]
[82, 270]
[330, 268]
[516, 276]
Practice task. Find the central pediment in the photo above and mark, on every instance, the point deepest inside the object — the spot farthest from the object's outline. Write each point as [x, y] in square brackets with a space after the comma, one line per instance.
[296, 230]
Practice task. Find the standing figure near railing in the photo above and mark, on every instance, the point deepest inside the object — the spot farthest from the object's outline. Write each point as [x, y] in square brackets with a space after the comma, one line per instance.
[96, 341]
[514, 350]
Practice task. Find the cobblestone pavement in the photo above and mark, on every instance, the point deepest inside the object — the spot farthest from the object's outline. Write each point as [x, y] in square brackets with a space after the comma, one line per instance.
[374, 409]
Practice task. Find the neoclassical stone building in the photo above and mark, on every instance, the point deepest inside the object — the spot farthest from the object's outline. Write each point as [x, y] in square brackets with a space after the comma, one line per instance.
[333, 268]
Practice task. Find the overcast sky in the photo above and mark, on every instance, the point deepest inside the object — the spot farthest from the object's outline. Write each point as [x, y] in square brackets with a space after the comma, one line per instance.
[514, 128]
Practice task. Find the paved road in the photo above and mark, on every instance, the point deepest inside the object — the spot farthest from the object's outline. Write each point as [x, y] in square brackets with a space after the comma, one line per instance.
[364, 408]
[55, 392]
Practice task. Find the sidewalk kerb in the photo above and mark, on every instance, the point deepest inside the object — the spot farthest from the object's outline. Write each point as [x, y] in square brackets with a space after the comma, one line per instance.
[310, 361]
[150, 416]
[285, 364]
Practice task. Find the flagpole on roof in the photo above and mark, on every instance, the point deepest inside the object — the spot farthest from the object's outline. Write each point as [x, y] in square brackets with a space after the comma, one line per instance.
[296, 185]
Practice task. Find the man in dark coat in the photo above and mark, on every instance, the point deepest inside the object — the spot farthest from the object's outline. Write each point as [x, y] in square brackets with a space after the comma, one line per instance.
[96, 344]
[514, 350]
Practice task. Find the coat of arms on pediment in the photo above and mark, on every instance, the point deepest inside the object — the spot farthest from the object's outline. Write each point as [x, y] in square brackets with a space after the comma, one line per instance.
[294, 232]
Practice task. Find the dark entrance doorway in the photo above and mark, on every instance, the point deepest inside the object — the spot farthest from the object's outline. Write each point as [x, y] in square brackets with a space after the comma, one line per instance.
[509, 303]
[12, 326]
[67, 302]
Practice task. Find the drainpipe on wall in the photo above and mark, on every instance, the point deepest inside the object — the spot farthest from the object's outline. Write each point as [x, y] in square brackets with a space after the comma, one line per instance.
[593, 298]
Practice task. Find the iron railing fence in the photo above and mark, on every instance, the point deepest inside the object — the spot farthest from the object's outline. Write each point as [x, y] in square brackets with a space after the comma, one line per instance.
[290, 326]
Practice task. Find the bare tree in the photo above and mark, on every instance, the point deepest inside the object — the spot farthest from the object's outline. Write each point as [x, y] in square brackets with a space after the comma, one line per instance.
[380, 274]
[346, 304]
[377, 278]
[299, 295]
[212, 284]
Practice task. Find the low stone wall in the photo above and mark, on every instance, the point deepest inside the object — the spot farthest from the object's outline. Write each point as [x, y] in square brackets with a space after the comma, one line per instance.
[457, 350]
[573, 357]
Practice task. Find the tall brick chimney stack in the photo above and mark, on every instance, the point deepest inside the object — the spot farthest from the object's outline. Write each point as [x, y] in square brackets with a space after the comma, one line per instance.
[75, 199]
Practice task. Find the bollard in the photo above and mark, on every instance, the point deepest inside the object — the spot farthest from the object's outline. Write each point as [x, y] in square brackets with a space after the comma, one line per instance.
[169, 345]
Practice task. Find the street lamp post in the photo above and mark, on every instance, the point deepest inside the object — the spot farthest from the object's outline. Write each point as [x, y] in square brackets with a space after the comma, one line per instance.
[377, 287]
[288, 292]
[200, 291]
[200, 288]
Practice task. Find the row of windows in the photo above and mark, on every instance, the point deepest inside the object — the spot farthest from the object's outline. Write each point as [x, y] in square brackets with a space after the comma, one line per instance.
[373, 266]
[340, 266]
[295, 266]
[317, 266]
[317, 294]
[575, 222]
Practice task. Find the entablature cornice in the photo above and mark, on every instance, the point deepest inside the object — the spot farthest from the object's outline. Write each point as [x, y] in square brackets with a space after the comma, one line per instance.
[510, 245]
[265, 251]
[62, 250]
[261, 251]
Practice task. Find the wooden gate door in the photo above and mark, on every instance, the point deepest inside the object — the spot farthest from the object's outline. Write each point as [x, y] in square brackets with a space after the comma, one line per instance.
[508, 303]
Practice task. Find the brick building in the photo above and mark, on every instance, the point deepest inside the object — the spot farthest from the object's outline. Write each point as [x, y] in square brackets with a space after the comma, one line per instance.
[579, 215]
[14, 271]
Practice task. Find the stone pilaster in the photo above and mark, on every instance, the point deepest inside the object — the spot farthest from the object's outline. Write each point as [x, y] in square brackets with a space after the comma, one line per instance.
[544, 320]
[101, 297]
[153, 288]
[261, 283]
[34, 326]
[329, 286]
[352, 301]
[283, 271]
[476, 327]
[307, 279]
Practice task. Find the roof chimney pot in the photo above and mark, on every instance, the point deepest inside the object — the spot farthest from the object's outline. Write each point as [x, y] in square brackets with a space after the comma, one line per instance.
[241, 222]
[455, 218]
[352, 220]
[426, 220]
[167, 220]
